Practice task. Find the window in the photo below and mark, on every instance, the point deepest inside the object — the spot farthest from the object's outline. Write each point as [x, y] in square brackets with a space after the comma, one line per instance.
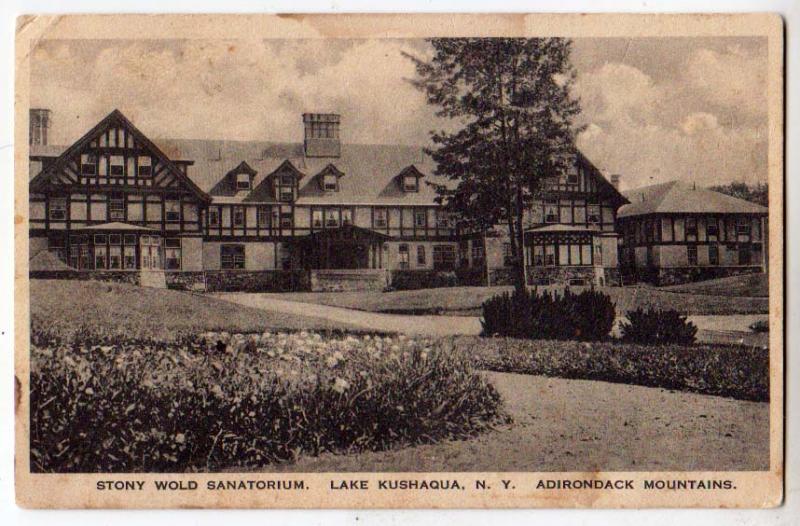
[100, 256]
[232, 257]
[410, 183]
[172, 211]
[444, 257]
[238, 216]
[117, 165]
[550, 213]
[286, 180]
[379, 218]
[550, 255]
[403, 256]
[713, 255]
[145, 168]
[329, 183]
[115, 257]
[347, 216]
[286, 220]
[691, 254]
[115, 239]
[172, 253]
[691, 229]
[331, 218]
[316, 219]
[116, 208]
[538, 255]
[58, 209]
[129, 257]
[130, 239]
[213, 217]
[286, 194]
[742, 226]
[421, 255]
[99, 239]
[263, 216]
[508, 255]
[593, 214]
[88, 164]
[712, 229]
[572, 174]
[420, 218]
[443, 219]
[477, 253]
[243, 181]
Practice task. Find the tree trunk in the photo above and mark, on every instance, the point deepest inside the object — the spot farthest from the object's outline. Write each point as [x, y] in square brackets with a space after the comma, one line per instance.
[519, 254]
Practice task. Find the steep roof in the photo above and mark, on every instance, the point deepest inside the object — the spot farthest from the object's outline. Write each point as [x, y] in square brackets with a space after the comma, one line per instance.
[370, 170]
[676, 197]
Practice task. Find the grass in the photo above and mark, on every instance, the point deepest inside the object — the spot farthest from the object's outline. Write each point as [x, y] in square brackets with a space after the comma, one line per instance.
[114, 309]
[466, 301]
[749, 285]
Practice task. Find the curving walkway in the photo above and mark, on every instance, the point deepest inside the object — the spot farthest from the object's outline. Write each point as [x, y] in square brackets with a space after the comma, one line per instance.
[712, 328]
[403, 323]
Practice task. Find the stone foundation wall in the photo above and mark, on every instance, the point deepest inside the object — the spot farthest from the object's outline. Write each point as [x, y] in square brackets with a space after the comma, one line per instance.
[335, 280]
[679, 275]
[256, 281]
[613, 276]
[186, 280]
[501, 276]
[114, 276]
[561, 275]
[422, 279]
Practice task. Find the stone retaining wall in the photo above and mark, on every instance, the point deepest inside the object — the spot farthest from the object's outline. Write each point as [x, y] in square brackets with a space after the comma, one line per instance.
[114, 276]
[341, 280]
[561, 275]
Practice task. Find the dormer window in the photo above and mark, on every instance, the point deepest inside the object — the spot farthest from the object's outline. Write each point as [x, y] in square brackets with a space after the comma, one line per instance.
[410, 183]
[243, 181]
[409, 179]
[329, 183]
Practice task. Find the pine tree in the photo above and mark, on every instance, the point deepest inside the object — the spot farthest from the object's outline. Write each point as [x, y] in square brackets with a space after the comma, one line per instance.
[512, 110]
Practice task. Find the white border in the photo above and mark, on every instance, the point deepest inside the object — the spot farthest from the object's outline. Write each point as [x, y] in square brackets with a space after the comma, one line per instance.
[10, 514]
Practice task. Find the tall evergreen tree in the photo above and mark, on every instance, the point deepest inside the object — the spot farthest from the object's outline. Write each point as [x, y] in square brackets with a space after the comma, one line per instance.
[513, 113]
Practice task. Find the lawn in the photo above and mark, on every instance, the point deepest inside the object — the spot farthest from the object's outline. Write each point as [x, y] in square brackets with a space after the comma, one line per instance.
[749, 285]
[69, 306]
[467, 300]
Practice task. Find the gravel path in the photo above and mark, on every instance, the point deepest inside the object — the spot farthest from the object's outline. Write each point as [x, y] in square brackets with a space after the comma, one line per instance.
[577, 425]
[714, 328]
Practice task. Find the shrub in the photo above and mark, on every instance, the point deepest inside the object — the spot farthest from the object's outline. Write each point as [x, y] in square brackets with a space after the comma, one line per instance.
[221, 401]
[658, 327]
[587, 316]
[760, 326]
[740, 372]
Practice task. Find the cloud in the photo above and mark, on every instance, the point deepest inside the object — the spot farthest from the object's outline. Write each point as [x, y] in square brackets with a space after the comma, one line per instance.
[702, 116]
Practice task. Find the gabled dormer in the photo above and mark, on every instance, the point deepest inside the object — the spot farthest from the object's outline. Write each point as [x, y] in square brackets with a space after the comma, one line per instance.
[408, 179]
[285, 180]
[241, 177]
[328, 178]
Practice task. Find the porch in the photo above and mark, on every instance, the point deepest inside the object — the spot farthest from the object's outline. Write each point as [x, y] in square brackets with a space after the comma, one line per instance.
[344, 248]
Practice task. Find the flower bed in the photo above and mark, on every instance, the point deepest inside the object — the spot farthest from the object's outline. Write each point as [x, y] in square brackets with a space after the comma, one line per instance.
[732, 371]
[220, 401]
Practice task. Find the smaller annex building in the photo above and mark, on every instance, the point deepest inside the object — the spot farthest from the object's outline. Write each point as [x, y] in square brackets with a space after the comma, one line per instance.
[676, 232]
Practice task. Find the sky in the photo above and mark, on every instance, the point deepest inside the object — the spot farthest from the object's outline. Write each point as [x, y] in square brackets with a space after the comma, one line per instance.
[654, 110]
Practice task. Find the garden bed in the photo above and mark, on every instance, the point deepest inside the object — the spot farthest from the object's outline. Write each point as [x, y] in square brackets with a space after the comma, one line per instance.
[219, 402]
[732, 371]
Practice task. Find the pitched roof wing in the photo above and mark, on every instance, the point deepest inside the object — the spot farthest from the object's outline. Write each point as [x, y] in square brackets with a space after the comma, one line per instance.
[677, 197]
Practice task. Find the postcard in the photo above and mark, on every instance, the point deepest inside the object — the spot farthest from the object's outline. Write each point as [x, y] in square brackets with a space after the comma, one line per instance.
[399, 261]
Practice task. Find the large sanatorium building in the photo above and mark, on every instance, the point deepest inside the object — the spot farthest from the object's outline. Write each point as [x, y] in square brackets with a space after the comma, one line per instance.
[323, 215]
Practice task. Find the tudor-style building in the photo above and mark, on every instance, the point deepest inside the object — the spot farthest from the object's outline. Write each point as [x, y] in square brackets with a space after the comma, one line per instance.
[320, 214]
[674, 232]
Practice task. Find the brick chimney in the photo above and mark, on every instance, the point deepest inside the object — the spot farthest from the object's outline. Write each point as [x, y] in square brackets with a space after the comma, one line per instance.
[615, 179]
[322, 135]
[39, 122]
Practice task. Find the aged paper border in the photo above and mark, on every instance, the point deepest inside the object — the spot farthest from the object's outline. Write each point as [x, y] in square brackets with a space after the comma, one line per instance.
[753, 489]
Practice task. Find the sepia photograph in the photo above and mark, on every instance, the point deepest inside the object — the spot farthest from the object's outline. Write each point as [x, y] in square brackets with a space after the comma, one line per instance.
[422, 256]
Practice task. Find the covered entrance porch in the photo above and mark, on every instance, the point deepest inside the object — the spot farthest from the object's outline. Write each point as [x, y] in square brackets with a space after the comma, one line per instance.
[347, 247]
[348, 258]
